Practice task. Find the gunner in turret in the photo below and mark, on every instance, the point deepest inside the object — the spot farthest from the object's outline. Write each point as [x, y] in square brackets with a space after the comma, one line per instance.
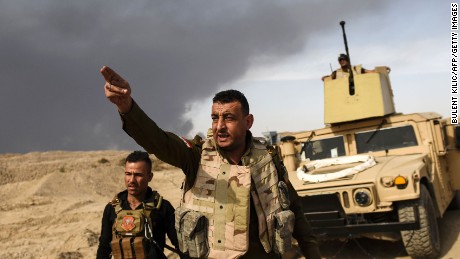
[343, 71]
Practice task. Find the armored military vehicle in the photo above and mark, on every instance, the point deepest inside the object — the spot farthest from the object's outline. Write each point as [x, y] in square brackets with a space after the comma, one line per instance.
[374, 172]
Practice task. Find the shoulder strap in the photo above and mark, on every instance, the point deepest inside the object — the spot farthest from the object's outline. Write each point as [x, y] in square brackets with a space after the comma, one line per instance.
[148, 208]
[115, 202]
[283, 177]
[280, 168]
[155, 205]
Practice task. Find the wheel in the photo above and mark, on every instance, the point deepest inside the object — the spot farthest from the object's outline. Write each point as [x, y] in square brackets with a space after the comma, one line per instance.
[455, 204]
[424, 242]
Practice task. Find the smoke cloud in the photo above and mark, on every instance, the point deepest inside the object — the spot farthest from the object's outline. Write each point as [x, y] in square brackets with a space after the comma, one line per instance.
[171, 52]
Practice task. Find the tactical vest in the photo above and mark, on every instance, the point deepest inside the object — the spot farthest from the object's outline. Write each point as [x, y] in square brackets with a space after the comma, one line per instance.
[356, 71]
[222, 194]
[132, 230]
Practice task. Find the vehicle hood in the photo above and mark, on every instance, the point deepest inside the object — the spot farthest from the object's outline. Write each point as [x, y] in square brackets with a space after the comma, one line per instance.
[385, 166]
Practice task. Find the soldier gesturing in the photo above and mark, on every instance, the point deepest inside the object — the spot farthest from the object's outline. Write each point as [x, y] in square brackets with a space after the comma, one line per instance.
[236, 201]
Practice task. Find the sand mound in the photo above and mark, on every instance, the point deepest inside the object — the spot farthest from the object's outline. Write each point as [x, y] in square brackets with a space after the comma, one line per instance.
[53, 202]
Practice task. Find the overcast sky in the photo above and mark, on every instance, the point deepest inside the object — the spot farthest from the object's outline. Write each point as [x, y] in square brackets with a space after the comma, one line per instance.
[177, 54]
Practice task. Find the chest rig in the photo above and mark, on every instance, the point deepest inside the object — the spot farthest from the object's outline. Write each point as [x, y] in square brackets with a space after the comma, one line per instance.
[132, 231]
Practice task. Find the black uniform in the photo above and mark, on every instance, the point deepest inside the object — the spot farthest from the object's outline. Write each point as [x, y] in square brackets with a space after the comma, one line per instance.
[162, 221]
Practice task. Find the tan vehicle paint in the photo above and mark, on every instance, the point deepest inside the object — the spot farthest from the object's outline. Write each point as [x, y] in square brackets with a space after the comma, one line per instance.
[418, 148]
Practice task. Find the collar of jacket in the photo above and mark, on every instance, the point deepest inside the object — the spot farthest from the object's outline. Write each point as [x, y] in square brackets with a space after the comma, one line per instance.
[123, 197]
[249, 146]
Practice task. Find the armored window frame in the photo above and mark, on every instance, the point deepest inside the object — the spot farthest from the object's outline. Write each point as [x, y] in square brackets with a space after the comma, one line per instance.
[385, 139]
[329, 147]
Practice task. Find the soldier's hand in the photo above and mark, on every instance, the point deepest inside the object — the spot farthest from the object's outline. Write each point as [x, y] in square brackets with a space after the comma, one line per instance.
[117, 89]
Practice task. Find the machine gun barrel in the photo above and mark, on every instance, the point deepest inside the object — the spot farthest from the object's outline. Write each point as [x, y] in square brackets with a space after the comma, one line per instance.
[351, 81]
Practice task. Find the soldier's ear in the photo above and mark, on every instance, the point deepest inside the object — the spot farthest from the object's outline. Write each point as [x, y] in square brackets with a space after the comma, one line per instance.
[249, 121]
[150, 176]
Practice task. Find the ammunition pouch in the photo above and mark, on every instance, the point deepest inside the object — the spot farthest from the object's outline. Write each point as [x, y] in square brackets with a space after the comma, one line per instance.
[136, 247]
[192, 232]
[284, 226]
[130, 247]
[283, 195]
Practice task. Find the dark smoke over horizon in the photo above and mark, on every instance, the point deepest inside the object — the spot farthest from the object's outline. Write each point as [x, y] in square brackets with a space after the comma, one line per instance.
[171, 52]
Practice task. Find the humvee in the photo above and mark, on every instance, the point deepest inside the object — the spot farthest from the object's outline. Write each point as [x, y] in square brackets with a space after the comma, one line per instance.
[373, 172]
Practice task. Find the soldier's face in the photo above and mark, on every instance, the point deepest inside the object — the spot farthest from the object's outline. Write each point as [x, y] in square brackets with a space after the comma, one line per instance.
[229, 125]
[343, 62]
[137, 177]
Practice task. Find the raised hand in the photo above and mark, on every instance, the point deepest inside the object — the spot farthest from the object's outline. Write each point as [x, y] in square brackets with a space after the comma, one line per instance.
[117, 89]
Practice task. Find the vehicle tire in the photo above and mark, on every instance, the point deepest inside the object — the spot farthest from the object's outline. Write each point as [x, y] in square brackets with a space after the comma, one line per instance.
[424, 242]
[455, 203]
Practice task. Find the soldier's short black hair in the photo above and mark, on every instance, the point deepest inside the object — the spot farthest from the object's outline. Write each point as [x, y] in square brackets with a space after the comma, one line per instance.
[231, 95]
[138, 156]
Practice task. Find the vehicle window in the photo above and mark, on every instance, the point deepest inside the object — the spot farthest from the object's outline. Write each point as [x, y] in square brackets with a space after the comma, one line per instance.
[384, 139]
[324, 148]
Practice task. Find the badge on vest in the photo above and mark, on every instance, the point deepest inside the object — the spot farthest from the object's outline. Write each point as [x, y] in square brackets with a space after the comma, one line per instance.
[128, 223]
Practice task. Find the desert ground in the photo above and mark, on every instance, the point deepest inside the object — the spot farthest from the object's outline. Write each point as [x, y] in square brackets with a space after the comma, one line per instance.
[53, 203]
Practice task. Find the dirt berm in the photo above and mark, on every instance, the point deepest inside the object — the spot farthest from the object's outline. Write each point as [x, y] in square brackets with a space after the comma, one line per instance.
[53, 202]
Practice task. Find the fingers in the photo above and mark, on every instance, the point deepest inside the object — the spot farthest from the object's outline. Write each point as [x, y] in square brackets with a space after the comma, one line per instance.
[110, 75]
[114, 79]
[115, 90]
[106, 73]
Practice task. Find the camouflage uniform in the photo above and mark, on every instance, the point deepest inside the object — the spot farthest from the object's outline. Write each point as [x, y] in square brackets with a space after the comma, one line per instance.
[188, 156]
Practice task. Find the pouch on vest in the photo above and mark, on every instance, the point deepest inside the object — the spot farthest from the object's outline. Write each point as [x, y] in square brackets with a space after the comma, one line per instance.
[130, 247]
[283, 195]
[192, 228]
[178, 214]
[136, 247]
[130, 223]
[284, 226]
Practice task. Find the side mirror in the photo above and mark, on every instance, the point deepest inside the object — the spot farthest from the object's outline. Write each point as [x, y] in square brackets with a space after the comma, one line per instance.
[457, 136]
